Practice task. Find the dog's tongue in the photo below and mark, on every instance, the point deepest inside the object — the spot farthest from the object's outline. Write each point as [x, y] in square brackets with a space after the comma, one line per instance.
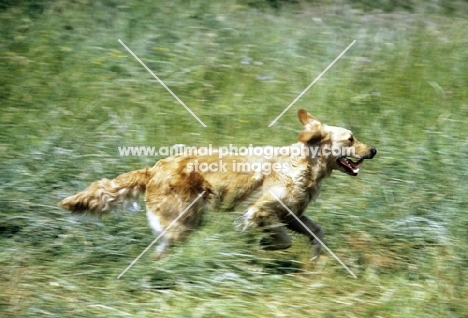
[354, 166]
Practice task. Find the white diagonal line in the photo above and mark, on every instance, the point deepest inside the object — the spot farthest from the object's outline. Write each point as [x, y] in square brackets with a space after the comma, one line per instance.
[315, 80]
[315, 236]
[162, 233]
[164, 85]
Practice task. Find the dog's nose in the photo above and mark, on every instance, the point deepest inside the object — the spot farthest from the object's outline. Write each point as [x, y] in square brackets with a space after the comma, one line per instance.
[373, 151]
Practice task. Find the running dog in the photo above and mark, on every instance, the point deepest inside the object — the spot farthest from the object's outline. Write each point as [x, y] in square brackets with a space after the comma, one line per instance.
[275, 189]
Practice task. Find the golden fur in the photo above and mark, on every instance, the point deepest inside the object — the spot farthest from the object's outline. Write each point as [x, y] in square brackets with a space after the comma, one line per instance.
[175, 182]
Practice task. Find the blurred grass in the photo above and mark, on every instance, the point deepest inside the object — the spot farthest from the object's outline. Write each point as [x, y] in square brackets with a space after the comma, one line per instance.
[71, 95]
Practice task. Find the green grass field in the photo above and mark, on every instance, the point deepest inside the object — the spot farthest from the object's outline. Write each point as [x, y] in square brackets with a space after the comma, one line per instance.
[71, 95]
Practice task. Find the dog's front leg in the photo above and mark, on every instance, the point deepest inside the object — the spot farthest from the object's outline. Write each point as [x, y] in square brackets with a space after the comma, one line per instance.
[306, 226]
[276, 238]
[263, 214]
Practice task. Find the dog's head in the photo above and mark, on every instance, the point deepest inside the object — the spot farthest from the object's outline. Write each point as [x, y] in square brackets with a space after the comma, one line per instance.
[337, 146]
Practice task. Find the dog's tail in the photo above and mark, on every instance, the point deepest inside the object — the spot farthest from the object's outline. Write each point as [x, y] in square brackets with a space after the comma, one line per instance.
[103, 195]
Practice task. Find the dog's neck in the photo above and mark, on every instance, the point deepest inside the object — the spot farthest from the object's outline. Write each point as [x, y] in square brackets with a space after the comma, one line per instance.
[316, 166]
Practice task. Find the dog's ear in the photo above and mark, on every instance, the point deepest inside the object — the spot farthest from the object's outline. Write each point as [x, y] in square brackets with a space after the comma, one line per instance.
[308, 121]
[311, 137]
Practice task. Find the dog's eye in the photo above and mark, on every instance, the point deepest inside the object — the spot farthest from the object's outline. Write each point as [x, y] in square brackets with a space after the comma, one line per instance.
[351, 139]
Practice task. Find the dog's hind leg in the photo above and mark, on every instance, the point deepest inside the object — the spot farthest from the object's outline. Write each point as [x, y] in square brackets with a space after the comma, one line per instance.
[306, 226]
[158, 230]
[171, 226]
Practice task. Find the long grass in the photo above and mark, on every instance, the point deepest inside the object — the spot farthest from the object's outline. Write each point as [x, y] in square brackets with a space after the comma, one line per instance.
[71, 95]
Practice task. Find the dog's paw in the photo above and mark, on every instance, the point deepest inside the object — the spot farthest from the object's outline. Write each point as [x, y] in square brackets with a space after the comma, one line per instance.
[242, 223]
[239, 223]
[159, 253]
[316, 251]
[155, 256]
[246, 221]
[273, 244]
[131, 206]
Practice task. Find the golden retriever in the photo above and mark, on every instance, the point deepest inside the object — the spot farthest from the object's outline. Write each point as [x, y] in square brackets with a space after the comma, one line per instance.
[292, 174]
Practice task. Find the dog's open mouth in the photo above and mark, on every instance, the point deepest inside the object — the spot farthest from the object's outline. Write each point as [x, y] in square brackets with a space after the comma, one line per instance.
[349, 166]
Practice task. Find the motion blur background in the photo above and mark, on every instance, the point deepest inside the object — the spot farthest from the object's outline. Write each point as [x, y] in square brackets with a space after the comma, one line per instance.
[71, 95]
